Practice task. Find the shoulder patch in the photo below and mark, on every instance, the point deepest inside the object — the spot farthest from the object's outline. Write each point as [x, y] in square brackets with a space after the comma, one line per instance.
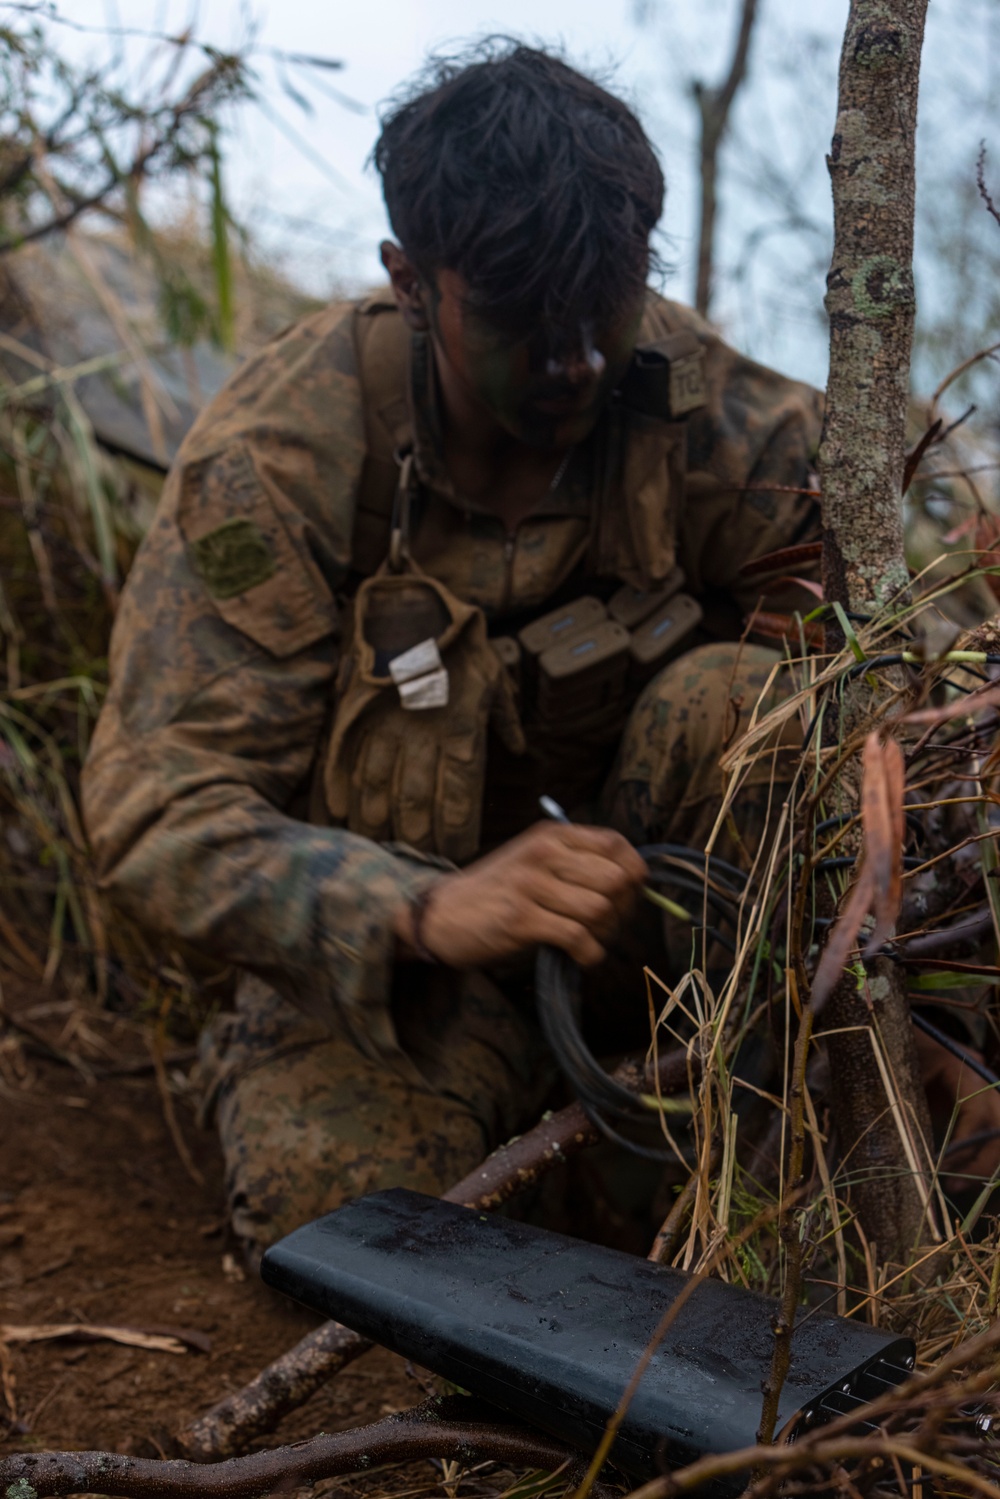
[233, 558]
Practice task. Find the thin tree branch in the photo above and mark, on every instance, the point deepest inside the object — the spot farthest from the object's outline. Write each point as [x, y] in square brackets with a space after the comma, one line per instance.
[77, 204]
[714, 105]
[738, 67]
[453, 1427]
[984, 191]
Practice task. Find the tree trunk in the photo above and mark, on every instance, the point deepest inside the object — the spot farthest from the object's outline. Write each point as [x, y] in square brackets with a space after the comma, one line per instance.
[871, 303]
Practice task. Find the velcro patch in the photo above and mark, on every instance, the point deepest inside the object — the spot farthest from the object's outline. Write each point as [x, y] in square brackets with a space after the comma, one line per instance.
[233, 558]
[687, 383]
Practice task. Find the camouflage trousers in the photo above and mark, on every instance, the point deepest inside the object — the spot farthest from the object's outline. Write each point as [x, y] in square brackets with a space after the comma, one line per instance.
[307, 1121]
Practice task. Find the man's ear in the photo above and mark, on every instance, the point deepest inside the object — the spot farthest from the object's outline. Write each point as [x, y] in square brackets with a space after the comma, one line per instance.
[407, 286]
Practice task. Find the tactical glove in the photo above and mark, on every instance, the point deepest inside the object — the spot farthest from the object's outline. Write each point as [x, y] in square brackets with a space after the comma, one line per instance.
[418, 688]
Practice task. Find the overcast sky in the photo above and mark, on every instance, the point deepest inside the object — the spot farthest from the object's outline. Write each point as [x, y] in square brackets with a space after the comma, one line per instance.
[299, 178]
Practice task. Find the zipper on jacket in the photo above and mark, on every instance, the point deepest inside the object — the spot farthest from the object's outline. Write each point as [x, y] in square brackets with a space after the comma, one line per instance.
[509, 548]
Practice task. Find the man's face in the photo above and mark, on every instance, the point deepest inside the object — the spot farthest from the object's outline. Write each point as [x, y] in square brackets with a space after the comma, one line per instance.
[546, 392]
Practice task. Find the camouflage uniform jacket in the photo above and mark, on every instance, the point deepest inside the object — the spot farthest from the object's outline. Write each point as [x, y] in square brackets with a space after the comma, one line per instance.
[225, 648]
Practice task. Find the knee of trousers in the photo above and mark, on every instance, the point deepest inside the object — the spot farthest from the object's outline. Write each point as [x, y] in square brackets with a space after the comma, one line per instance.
[696, 707]
[689, 715]
[303, 1133]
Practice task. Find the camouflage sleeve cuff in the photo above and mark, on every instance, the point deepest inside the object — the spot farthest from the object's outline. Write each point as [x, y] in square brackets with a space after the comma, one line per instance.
[356, 912]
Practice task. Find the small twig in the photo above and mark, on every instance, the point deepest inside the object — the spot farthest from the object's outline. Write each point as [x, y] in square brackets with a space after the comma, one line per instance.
[32, 1420]
[788, 1232]
[960, 369]
[157, 1052]
[16, 943]
[799, 1456]
[984, 191]
[914, 457]
[37, 1037]
[440, 1428]
[8, 1383]
[668, 1238]
[284, 1385]
[969, 929]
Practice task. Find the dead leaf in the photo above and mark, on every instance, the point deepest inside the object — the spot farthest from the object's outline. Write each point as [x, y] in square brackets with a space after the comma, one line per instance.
[880, 878]
[883, 821]
[842, 938]
[781, 626]
[962, 529]
[89, 1332]
[809, 584]
[784, 557]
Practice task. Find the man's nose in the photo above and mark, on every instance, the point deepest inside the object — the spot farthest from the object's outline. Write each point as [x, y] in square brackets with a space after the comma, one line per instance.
[577, 365]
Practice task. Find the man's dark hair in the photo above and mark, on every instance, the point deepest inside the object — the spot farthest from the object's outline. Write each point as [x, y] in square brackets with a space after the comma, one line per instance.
[534, 183]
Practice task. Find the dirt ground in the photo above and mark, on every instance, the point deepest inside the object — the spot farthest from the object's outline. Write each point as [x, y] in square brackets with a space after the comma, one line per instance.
[101, 1223]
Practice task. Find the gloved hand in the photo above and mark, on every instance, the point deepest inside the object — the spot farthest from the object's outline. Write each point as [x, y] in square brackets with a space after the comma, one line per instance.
[398, 769]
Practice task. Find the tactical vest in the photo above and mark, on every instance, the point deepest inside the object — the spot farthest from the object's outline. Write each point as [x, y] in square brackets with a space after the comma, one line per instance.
[644, 458]
[575, 670]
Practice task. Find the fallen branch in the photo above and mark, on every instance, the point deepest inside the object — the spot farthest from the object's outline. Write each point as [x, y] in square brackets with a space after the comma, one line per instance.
[292, 1379]
[253, 1411]
[157, 1051]
[448, 1428]
[88, 1332]
[969, 930]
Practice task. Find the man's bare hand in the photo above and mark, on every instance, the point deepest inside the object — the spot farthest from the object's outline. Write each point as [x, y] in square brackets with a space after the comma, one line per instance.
[556, 883]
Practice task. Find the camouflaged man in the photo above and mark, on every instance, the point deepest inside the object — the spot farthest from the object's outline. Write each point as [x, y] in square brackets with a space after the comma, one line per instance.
[429, 555]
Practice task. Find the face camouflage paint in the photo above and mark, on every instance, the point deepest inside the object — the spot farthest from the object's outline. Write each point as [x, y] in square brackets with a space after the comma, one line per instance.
[545, 388]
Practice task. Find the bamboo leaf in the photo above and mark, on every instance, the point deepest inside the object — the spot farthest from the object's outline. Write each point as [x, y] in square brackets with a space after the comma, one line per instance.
[665, 904]
[951, 978]
[850, 635]
[82, 436]
[221, 262]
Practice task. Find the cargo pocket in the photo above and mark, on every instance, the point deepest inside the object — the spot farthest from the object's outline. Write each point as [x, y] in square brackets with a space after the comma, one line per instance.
[261, 581]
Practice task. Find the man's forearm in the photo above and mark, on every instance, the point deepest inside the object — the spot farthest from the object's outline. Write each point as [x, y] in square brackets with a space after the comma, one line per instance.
[311, 909]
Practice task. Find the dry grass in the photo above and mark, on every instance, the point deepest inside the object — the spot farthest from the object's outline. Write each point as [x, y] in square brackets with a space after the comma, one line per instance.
[70, 517]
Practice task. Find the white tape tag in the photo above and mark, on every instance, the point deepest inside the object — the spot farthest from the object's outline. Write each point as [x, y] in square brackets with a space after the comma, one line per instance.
[430, 691]
[416, 662]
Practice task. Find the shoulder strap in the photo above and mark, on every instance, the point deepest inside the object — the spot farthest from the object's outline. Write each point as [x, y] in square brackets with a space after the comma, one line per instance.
[642, 484]
[383, 345]
[644, 466]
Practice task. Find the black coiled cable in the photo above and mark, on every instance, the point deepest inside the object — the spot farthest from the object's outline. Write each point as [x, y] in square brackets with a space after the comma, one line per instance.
[558, 992]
